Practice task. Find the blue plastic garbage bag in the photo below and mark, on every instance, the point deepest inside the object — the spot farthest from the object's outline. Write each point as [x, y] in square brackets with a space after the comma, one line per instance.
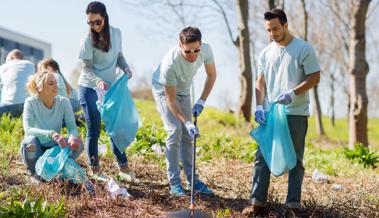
[56, 162]
[73, 172]
[120, 114]
[52, 162]
[275, 142]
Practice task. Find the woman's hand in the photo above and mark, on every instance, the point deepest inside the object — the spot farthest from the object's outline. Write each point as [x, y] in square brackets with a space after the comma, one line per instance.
[74, 142]
[102, 85]
[128, 72]
[60, 140]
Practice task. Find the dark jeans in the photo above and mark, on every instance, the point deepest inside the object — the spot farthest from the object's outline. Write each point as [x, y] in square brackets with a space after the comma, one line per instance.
[298, 126]
[14, 109]
[87, 99]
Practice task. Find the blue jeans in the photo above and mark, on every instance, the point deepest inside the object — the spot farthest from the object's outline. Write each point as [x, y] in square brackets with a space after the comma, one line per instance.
[31, 149]
[179, 143]
[298, 126]
[14, 109]
[87, 99]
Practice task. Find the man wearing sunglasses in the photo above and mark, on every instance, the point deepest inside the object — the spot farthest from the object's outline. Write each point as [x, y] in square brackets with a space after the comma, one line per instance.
[171, 89]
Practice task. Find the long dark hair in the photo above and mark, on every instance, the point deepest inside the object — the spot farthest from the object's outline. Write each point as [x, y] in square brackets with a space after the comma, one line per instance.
[105, 41]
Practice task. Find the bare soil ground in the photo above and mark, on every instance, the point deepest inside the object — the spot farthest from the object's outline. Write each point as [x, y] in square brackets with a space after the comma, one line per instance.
[231, 180]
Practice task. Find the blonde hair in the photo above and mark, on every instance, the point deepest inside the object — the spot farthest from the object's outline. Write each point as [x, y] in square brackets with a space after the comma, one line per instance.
[36, 81]
[49, 62]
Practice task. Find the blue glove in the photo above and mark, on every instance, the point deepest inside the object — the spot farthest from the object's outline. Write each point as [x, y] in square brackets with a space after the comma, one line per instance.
[192, 129]
[198, 107]
[260, 115]
[286, 98]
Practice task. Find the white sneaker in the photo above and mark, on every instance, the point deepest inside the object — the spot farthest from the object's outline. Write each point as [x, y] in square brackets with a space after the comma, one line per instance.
[99, 177]
[128, 177]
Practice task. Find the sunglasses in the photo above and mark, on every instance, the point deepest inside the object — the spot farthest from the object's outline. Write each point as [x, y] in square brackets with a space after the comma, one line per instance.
[95, 23]
[197, 50]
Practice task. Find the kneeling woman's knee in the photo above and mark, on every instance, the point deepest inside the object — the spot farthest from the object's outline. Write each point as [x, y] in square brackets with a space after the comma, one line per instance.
[30, 151]
[30, 145]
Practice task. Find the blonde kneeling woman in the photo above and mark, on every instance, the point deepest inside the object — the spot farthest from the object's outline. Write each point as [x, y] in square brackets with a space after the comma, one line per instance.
[43, 117]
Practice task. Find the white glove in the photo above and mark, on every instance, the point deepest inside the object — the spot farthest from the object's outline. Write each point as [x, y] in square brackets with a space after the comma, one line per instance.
[192, 129]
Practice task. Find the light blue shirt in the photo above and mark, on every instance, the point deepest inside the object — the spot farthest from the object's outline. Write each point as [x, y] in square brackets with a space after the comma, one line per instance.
[104, 63]
[62, 89]
[13, 77]
[40, 121]
[284, 68]
[174, 70]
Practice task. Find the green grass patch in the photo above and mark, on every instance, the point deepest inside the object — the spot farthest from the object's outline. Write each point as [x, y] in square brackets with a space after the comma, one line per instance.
[340, 132]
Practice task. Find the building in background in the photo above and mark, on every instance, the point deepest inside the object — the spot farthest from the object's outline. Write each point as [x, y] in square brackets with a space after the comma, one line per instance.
[33, 49]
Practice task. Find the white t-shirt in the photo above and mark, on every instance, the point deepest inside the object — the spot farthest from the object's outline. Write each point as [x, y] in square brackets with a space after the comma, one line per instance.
[174, 70]
[284, 68]
[13, 77]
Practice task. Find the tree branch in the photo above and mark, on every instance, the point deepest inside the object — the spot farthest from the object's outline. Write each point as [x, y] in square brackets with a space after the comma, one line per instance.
[222, 11]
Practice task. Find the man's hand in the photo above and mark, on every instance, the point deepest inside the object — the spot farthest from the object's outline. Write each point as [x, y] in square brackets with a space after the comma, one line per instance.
[286, 98]
[260, 115]
[193, 131]
[60, 140]
[198, 107]
[74, 142]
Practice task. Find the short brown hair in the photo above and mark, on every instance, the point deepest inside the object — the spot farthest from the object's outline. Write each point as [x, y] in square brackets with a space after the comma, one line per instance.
[15, 54]
[190, 34]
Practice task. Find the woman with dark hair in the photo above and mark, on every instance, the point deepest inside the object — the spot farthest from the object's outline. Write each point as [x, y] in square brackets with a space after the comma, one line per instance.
[64, 88]
[101, 53]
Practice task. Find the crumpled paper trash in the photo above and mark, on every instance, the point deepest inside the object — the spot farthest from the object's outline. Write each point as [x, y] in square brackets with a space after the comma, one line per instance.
[158, 149]
[319, 177]
[115, 190]
[102, 149]
[337, 187]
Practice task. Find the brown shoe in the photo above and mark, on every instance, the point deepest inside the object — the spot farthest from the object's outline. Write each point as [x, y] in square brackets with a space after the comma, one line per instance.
[293, 212]
[252, 211]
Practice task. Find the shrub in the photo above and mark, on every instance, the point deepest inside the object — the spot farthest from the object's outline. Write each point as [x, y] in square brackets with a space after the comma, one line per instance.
[363, 155]
[29, 208]
[146, 137]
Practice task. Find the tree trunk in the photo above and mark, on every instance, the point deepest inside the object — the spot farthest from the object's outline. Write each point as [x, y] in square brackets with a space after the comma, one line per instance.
[332, 116]
[243, 45]
[358, 69]
[271, 4]
[317, 107]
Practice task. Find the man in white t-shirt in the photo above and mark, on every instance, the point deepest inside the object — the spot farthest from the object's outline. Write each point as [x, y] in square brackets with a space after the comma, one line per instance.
[171, 85]
[287, 69]
[13, 77]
